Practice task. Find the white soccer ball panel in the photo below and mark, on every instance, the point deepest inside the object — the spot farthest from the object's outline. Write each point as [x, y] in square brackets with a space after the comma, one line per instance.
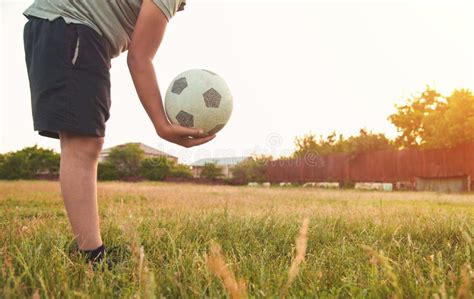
[200, 99]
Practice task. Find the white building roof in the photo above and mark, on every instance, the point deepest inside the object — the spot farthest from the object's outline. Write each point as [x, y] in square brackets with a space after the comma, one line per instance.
[220, 161]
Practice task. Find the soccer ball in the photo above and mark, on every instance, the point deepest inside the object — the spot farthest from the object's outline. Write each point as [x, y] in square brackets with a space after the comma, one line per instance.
[199, 99]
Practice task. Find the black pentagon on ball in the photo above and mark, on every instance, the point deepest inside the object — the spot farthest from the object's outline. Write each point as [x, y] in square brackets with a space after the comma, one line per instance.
[185, 119]
[179, 85]
[212, 98]
[216, 129]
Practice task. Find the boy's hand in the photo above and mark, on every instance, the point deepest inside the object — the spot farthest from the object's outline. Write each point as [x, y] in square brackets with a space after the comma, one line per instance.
[187, 137]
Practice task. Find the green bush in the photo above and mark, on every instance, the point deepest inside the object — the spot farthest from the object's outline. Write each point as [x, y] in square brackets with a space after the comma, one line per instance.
[28, 163]
[251, 170]
[107, 172]
[180, 171]
[211, 171]
[126, 159]
[155, 169]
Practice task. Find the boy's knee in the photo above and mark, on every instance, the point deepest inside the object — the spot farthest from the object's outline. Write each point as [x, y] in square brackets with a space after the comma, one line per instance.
[84, 147]
[93, 147]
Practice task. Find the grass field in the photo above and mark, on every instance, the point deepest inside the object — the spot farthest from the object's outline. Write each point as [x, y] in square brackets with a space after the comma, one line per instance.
[357, 244]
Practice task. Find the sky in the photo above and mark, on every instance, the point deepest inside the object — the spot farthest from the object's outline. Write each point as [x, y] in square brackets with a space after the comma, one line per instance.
[293, 67]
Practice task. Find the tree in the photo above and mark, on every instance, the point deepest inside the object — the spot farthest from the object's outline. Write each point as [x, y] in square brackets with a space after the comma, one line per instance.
[251, 170]
[180, 171]
[126, 160]
[410, 118]
[107, 171]
[309, 144]
[28, 163]
[211, 171]
[452, 123]
[14, 167]
[365, 142]
[155, 169]
[434, 121]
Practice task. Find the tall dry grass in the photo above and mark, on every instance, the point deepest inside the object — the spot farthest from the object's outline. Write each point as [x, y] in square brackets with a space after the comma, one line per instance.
[417, 243]
[217, 265]
[467, 279]
[301, 243]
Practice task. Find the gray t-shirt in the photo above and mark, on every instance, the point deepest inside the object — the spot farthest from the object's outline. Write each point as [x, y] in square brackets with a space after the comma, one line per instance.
[113, 19]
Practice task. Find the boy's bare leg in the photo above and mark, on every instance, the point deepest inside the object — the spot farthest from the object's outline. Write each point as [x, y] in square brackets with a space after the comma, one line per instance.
[78, 179]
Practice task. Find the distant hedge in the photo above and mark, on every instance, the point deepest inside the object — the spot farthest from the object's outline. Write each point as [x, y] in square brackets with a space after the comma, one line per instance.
[211, 171]
[129, 161]
[251, 170]
[122, 163]
[28, 163]
[155, 169]
[107, 171]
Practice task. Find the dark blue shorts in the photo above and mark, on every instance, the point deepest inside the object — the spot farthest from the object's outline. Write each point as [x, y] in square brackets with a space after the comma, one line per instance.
[68, 69]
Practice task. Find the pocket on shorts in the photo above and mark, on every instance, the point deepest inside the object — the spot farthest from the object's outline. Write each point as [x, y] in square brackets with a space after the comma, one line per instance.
[76, 51]
[73, 44]
[88, 51]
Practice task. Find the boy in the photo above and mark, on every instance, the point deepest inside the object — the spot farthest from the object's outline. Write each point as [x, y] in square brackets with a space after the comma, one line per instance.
[68, 47]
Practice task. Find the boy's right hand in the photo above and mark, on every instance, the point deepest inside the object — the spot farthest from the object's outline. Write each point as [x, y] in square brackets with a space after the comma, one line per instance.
[186, 137]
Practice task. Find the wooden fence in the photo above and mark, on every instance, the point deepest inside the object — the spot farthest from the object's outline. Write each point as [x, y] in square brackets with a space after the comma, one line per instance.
[379, 166]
